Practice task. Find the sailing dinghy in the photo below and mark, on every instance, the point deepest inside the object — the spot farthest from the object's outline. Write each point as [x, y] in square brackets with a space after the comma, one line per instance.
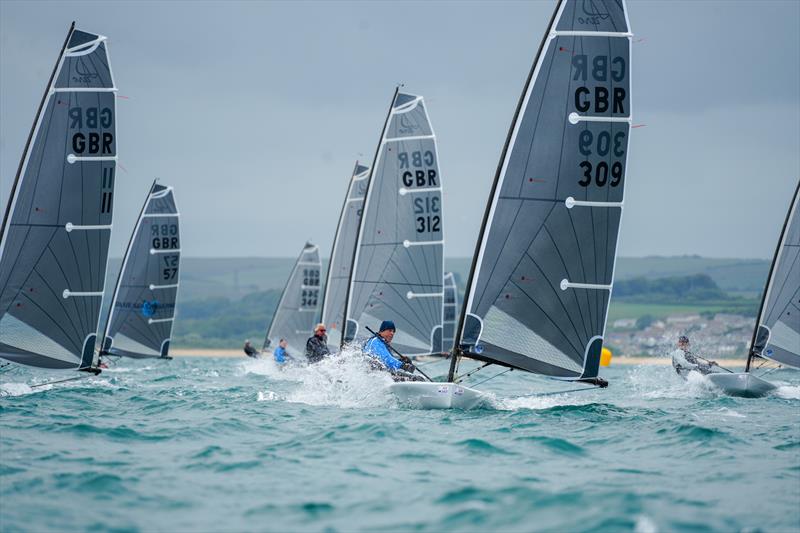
[57, 225]
[777, 333]
[340, 266]
[398, 265]
[143, 307]
[538, 292]
[299, 304]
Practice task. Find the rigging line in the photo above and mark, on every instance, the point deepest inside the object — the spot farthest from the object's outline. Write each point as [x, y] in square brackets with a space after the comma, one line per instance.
[770, 370]
[487, 379]
[468, 374]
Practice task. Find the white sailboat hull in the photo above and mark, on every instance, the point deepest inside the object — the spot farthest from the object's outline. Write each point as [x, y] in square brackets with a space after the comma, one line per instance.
[432, 395]
[742, 384]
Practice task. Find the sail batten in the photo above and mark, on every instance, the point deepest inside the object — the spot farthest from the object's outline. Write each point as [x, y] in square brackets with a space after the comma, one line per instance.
[298, 307]
[55, 233]
[398, 265]
[145, 296]
[538, 292]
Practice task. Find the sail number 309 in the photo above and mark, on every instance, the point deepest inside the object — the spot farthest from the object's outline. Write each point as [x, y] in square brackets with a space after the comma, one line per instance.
[601, 173]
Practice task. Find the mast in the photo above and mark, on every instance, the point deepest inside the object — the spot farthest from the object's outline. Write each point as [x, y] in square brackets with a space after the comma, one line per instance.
[792, 207]
[363, 213]
[457, 351]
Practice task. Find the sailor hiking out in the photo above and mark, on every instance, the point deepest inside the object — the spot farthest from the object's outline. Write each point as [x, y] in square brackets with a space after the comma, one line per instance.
[378, 347]
[281, 355]
[317, 345]
[685, 361]
[249, 350]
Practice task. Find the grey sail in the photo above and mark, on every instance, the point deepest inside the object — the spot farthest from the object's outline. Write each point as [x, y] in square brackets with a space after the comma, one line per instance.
[450, 311]
[777, 335]
[538, 293]
[143, 306]
[57, 225]
[341, 263]
[299, 305]
[398, 264]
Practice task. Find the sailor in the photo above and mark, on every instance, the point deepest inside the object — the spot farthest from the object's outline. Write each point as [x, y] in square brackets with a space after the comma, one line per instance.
[249, 350]
[684, 361]
[280, 354]
[379, 348]
[317, 345]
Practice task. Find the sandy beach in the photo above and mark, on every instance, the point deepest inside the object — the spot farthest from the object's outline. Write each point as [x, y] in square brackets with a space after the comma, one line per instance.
[618, 360]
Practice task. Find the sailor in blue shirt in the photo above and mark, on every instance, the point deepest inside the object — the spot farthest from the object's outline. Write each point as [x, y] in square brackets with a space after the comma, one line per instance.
[280, 353]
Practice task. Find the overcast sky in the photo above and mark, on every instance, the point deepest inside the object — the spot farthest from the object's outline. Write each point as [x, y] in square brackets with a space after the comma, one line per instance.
[255, 111]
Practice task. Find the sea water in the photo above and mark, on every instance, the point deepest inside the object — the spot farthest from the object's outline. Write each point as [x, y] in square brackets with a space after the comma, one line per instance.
[215, 444]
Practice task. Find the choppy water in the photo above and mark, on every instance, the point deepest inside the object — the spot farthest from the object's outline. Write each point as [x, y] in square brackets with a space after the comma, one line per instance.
[232, 445]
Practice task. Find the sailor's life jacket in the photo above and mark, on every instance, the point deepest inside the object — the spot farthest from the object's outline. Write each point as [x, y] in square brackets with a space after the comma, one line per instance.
[376, 347]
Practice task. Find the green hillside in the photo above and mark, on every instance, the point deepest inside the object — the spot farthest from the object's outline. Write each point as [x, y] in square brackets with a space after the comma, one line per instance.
[222, 301]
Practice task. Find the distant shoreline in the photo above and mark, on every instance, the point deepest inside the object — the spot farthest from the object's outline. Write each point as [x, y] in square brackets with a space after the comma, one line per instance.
[616, 361]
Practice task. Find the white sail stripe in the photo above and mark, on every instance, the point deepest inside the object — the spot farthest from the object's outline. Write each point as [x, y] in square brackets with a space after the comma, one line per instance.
[84, 48]
[154, 251]
[83, 90]
[566, 284]
[162, 193]
[156, 287]
[158, 320]
[579, 33]
[362, 176]
[575, 118]
[408, 243]
[571, 202]
[69, 226]
[412, 138]
[411, 295]
[307, 263]
[405, 108]
[309, 286]
[160, 215]
[68, 293]
[354, 200]
[72, 158]
[403, 191]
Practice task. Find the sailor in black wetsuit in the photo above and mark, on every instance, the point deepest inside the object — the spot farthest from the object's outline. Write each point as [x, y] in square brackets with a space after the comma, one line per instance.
[684, 361]
[317, 345]
[249, 350]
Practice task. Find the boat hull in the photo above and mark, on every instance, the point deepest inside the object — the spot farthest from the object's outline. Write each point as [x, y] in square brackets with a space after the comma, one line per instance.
[743, 384]
[432, 395]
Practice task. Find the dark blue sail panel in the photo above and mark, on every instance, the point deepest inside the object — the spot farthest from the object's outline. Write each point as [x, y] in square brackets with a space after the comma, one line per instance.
[341, 263]
[56, 231]
[778, 333]
[398, 267]
[143, 308]
[538, 294]
[298, 308]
